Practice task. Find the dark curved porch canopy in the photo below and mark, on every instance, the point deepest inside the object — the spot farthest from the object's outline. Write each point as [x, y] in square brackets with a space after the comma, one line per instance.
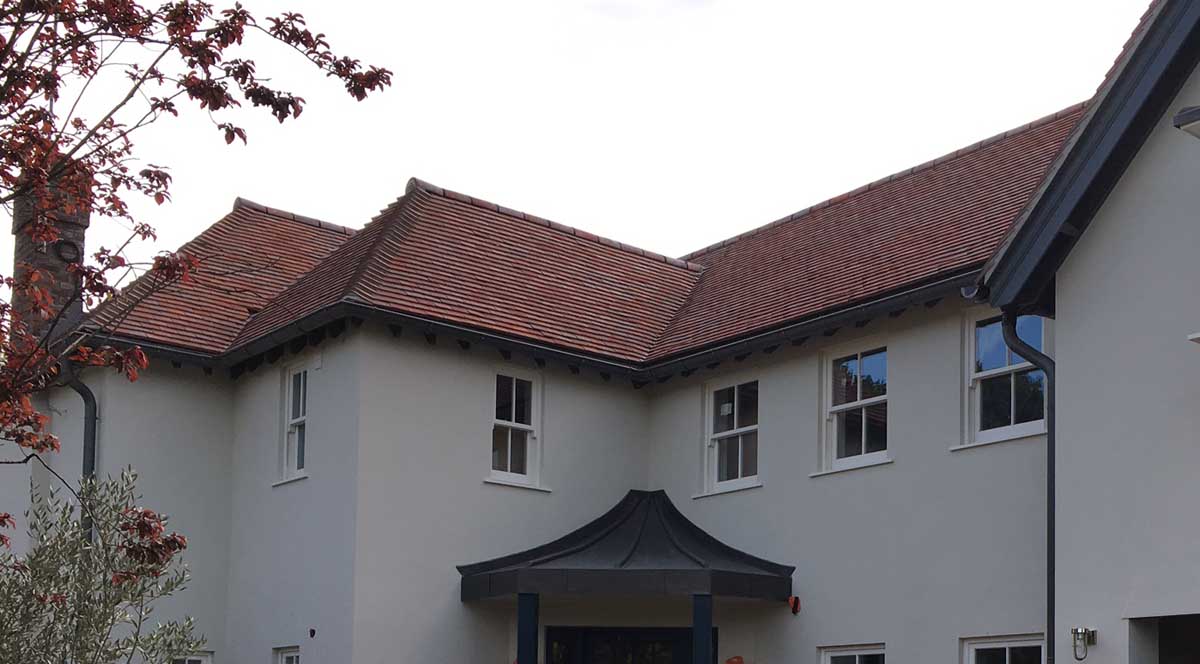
[642, 546]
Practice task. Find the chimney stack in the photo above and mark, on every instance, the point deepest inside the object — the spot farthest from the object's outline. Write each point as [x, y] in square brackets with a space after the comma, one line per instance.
[51, 258]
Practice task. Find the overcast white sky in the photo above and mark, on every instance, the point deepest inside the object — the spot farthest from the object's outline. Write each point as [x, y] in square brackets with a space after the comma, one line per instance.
[668, 124]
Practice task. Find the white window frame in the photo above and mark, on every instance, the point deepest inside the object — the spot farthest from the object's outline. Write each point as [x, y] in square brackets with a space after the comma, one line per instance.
[288, 470]
[974, 644]
[827, 654]
[533, 440]
[712, 439]
[973, 434]
[205, 657]
[831, 462]
[282, 655]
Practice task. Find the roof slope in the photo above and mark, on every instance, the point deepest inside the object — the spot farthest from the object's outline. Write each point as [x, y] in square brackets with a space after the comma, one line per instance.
[246, 259]
[444, 258]
[641, 545]
[1137, 92]
[447, 256]
[936, 219]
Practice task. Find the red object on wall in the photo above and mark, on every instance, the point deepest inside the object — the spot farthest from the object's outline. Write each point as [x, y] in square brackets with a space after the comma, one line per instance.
[794, 603]
[736, 659]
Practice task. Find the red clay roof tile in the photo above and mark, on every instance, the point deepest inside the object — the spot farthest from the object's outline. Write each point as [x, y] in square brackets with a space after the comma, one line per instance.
[246, 259]
[446, 256]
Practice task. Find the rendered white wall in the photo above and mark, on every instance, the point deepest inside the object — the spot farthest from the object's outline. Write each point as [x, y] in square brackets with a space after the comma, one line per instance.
[938, 546]
[1129, 384]
[292, 545]
[424, 451]
[172, 426]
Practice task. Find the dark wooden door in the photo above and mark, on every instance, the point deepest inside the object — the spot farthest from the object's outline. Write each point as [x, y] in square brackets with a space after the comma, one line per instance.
[607, 645]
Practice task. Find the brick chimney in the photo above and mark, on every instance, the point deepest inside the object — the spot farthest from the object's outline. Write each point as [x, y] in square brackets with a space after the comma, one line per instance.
[51, 258]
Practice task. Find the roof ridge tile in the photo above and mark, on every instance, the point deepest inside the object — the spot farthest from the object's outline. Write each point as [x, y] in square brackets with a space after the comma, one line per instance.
[927, 165]
[240, 202]
[417, 183]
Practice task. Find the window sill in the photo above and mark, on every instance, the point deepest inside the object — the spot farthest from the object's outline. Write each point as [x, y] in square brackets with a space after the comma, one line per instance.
[732, 489]
[866, 464]
[515, 485]
[289, 480]
[1005, 438]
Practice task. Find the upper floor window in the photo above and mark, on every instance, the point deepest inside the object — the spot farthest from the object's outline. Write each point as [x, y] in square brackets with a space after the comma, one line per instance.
[852, 656]
[514, 434]
[1008, 394]
[287, 655]
[295, 420]
[733, 435]
[857, 414]
[1003, 651]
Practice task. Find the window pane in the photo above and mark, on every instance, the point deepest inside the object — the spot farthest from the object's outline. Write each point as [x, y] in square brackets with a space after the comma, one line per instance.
[723, 410]
[1029, 389]
[749, 454]
[871, 659]
[297, 387]
[747, 404]
[849, 433]
[517, 449]
[989, 656]
[727, 459]
[1029, 330]
[843, 659]
[876, 427]
[1025, 655]
[995, 402]
[874, 373]
[300, 446]
[499, 448]
[304, 393]
[990, 351]
[845, 380]
[524, 402]
[504, 398]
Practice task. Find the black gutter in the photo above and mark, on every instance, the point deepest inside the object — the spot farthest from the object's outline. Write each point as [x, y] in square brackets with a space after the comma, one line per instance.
[942, 287]
[89, 435]
[1043, 362]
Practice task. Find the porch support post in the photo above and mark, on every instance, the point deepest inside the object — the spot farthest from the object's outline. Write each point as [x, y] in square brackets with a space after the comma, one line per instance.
[702, 629]
[527, 628]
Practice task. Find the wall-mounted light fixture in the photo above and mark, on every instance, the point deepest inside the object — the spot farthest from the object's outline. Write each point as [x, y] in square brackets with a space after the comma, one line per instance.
[1188, 119]
[1081, 638]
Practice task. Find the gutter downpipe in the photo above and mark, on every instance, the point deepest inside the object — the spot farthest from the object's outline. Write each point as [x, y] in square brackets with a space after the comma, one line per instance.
[1043, 362]
[89, 436]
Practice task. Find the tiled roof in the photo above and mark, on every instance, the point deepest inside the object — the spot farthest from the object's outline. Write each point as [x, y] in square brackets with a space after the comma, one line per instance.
[936, 219]
[446, 257]
[247, 258]
[450, 257]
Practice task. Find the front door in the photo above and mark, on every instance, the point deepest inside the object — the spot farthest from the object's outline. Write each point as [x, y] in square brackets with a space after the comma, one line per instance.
[620, 645]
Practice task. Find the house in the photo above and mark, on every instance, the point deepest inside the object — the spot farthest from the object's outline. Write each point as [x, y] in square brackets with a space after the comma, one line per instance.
[464, 433]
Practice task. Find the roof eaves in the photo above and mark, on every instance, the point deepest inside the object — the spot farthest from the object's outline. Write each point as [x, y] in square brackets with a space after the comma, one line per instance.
[1156, 61]
[798, 330]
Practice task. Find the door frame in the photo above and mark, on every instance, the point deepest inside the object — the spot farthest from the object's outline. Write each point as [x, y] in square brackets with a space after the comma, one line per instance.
[576, 634]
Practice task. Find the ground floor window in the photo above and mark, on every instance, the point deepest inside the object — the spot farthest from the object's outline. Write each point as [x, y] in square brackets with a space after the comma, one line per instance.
[197, 658]
[853, 655]
[1003, 651]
